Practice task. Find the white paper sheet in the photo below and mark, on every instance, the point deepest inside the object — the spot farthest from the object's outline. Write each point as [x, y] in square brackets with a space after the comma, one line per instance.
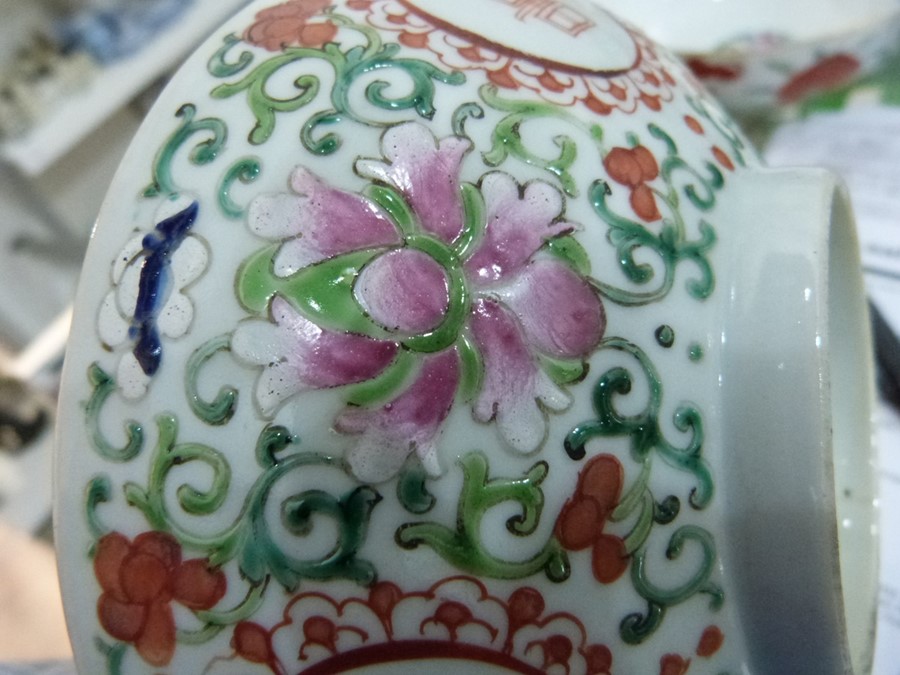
[863, 145]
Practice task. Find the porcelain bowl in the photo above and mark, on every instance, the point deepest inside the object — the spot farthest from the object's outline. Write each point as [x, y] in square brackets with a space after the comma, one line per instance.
[418, 337]
[765, 56]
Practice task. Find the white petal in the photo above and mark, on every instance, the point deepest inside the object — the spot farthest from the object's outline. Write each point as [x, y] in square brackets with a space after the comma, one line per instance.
[132, 380]
[189, 262]
[111, 326]
[277, 382]
[294, 255]
[128, 289]
[547, 392]
[376, 457]
[176, 316]
[373, 170]
[256, 342]
[522, 424]
[126, 256]
[428, 455]
[275, 215]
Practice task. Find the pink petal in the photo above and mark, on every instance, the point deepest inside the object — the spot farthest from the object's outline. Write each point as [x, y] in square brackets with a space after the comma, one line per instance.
[405, 290]
[426, 172]
[518, 224]
[298, 355]
[513, 385]
[410, 422]
[560, 313]
[318, 222]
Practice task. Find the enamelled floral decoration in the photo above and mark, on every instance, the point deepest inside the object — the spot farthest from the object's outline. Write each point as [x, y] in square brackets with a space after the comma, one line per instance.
[289, 24]
[432, 289]
[140, 579]
[646, 81]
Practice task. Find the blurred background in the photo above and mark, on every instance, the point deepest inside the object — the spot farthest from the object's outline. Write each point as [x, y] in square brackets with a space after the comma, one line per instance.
[77, 78]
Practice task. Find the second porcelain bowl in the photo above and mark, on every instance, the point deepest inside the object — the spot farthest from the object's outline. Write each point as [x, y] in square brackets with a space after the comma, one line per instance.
[764, 56]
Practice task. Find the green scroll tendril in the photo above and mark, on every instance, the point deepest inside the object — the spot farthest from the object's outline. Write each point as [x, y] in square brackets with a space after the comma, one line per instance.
[638, 508]
[670, 245]
[98, 491]
[412, 491]
[249, 538]
[463, 114]
[349, 67]
[508, 141]
[701, 190]
[222, 407]
[635, 628]
[104, 385]
[114, 654]
[220, 67]
[725, 126]
[215, 621]
[463, 546]
[245, 171]
[203, 153]
[643, 428]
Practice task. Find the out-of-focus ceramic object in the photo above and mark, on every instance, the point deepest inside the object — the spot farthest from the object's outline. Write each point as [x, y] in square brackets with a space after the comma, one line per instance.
[419, 336]
[764, 56]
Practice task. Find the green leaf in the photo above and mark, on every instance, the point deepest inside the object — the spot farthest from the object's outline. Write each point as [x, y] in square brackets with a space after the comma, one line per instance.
[256, 282]
[323, 292]
[472, 368]
[397, 208]
[564, 371]
[474, 220]
[386, 384]
[571, 252]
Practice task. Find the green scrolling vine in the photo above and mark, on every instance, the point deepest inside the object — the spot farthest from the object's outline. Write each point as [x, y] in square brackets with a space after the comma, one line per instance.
[249, 539]
[260, 553]
[348, 65]
[637, 510]
[670, 242]
[464, 548]
[638, 505]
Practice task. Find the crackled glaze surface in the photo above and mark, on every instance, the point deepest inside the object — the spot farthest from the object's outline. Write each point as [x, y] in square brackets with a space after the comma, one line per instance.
[397, 341]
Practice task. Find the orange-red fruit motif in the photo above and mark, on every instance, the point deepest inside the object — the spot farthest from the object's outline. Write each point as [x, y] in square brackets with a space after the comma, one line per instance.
[710, 642]
[583, 516]
[634, 168]
[288, 24]
[140, 579]
[673, 664]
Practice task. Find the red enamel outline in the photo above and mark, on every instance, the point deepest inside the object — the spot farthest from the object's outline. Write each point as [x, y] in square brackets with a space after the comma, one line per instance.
[482, 41]
[411, 650]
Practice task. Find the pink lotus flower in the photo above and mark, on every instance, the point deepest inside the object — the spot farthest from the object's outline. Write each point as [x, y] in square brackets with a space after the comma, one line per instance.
[421, 269]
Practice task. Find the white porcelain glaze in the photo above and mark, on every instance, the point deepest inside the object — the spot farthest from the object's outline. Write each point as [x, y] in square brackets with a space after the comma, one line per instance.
[404, 350]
